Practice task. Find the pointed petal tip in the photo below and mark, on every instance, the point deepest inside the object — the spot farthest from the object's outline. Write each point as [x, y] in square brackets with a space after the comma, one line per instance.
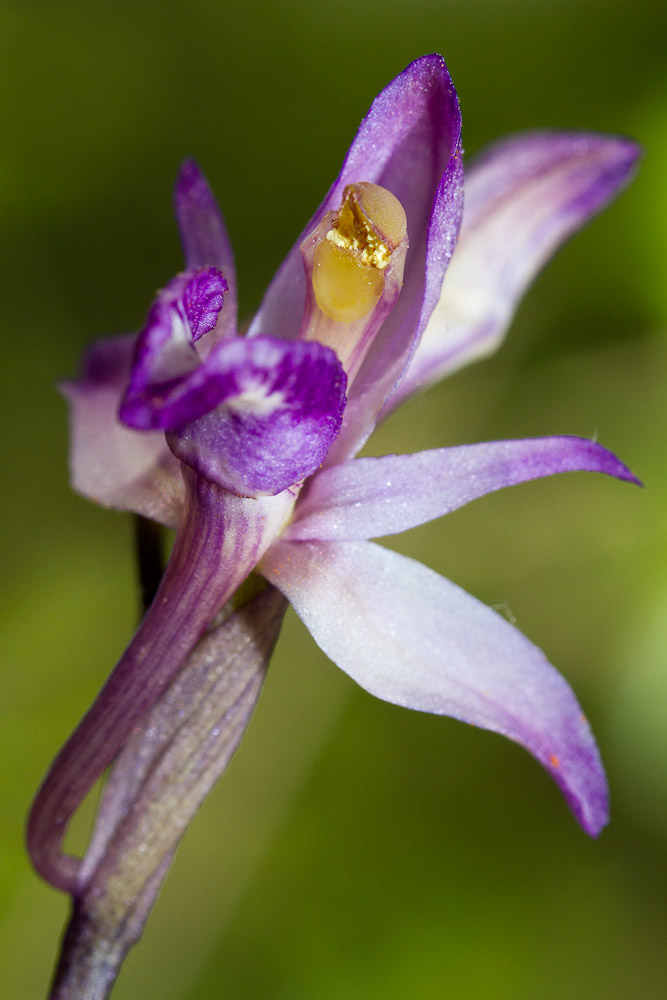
[622, 156]
[429, 71]
[605, 461]
[592, 818]
[189, 175]
[624, 149]
[584, 786]
[192, 192]
[579, 454]
[432, 62]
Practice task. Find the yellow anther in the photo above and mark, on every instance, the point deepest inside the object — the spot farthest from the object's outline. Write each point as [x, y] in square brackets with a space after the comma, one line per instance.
[348, 264]
[345, 289]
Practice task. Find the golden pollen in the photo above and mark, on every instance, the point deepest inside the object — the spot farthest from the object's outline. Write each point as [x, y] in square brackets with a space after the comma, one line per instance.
[347, 267]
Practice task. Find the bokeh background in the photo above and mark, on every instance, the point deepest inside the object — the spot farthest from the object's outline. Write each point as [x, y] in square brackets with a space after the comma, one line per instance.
[354, 851]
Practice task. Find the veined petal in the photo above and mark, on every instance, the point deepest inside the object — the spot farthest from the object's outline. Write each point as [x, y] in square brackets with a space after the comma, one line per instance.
[110, 463]
[524, 198]
[413, 638]
[409, 143]
[204, 238]
[371, 497]
[280, 407]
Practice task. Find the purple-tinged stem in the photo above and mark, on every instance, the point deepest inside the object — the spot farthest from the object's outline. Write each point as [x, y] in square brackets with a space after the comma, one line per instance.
[90, 959]
[220, 540]
[155, 787]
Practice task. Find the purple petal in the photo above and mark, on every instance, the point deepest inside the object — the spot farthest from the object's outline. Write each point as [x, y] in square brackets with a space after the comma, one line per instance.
[202, 300]
[280, 409]
[409, 144]
[524, 198]
[169, 384]
[371, 497]
[110, 463]
[204, 236]
[413, 638]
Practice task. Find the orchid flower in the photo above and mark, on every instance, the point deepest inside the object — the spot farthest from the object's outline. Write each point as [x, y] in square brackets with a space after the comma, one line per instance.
[247, 446]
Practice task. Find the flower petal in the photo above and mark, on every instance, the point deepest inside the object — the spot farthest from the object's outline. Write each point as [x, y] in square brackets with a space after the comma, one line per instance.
[204, 237]
[524, 198]
[170, 384]
[110, 463]
[413, 638]
[280, 409]
[409, 144]
[371, 497]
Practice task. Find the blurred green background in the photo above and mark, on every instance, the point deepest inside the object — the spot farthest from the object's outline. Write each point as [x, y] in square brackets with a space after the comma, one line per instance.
[354, 851]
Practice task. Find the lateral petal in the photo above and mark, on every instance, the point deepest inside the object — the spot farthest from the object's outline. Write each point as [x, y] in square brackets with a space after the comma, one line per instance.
[371, 497]
[110, 463]
[412, 638]
[205, 239]
[523, 199]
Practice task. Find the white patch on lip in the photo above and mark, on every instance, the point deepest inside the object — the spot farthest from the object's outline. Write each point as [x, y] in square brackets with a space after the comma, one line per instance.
[177, 355]
[255, 400]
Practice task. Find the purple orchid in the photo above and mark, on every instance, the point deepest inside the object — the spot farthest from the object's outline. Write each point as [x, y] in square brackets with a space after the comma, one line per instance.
[246, 445]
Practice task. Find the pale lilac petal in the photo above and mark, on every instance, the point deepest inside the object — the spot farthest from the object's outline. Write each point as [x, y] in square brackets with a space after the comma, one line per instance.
[408, 143]
[413, 638]
[280, 408]
[204, 237]
[523, 199]
[371, 497]
[110, 463]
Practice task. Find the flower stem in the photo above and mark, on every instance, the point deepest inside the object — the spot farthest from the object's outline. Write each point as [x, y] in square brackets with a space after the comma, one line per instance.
[220, 540]
[155, 787]
[89, 964]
